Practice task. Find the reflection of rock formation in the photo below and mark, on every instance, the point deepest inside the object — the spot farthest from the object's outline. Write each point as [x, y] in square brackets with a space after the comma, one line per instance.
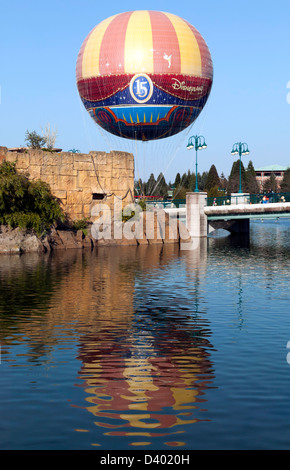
[28, 285]
[70, 289]
[145, 356]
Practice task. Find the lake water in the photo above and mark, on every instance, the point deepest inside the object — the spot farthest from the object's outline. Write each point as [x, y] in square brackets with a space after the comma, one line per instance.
[148, 348]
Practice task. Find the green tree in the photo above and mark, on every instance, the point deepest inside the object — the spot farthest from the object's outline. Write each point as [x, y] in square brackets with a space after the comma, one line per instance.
[161, 186]
[223, 182]
[215, 192]
[213, 179]
[234, 178]
[270, 184]
[177, 180]
[180, 193]
[285, 183]
[190, 180]
[26, 204]
[34, 140]
[202, 179]
[150, 185]
[181, 185]
[184, 180]
[252, 186]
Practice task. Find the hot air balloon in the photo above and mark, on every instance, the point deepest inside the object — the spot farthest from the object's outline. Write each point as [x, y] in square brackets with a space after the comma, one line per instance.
[144, 75]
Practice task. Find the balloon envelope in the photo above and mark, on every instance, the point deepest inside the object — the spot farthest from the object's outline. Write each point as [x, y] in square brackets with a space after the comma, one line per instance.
[144, 74]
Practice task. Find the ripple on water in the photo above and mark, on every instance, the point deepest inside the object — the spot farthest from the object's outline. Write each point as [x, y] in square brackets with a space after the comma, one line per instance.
[150, 348]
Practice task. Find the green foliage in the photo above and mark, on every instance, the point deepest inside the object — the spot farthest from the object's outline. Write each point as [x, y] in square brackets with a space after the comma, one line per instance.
[223, 182]
[142, 204]
[26, 204]
[213, 179]
[126, 217]
[249, 181]
[202, 180]
[128, 213]
[285, 184]
[81, 224]
[214, 191]
[149, 187]
[270, 184]
[158, 188]
[184, 184]
[252, 186]
[209, 181]
[25, 221]
[234, 179]
[177, 180]
[8, 168]
[180, 192]
[161, 186]
[34, 140]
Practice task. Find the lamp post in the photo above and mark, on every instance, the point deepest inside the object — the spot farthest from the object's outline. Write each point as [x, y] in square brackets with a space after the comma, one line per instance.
[240, 149]
[196, 142]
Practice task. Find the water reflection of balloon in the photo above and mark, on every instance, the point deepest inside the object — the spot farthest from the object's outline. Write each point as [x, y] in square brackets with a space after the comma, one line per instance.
[144, 75]
[152, 383]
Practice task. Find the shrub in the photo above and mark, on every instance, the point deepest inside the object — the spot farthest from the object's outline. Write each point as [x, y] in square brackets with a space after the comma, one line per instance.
[128, 213]
[81, 224]
[26, 204]
[142, 204]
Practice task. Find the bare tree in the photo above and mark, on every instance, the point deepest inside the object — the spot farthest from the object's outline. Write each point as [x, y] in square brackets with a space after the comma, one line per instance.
[50, 136]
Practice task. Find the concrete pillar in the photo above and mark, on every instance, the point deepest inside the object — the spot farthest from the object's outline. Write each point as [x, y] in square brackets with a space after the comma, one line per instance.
[196, 220]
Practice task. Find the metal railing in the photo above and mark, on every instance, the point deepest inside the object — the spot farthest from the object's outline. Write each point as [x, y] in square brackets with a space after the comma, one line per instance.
[263, 198]
[166, 204]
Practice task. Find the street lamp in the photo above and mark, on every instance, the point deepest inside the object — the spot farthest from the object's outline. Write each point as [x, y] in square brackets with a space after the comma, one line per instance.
[240, 149]
[196, 142]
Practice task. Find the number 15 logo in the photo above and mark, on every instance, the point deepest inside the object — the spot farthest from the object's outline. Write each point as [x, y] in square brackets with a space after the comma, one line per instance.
[141, 88]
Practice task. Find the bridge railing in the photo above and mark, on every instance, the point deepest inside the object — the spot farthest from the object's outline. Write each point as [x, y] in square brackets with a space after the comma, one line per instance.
[224, 200]
[166, 204]
[248, 199]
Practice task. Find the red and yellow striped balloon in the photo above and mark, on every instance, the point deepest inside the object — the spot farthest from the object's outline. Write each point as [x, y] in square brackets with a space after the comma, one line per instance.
[144, 74]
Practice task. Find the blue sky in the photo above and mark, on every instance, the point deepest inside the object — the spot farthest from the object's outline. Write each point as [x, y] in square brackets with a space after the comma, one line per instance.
[250, 46]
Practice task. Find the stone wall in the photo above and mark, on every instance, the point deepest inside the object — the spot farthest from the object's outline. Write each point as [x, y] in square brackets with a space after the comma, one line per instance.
[80, 181]
[97, 186]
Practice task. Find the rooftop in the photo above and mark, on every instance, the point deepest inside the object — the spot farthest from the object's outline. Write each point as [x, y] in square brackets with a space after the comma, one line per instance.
[272, 168]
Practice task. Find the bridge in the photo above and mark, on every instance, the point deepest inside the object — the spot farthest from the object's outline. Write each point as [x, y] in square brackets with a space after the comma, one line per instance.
[236, 218]
[234, 213]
